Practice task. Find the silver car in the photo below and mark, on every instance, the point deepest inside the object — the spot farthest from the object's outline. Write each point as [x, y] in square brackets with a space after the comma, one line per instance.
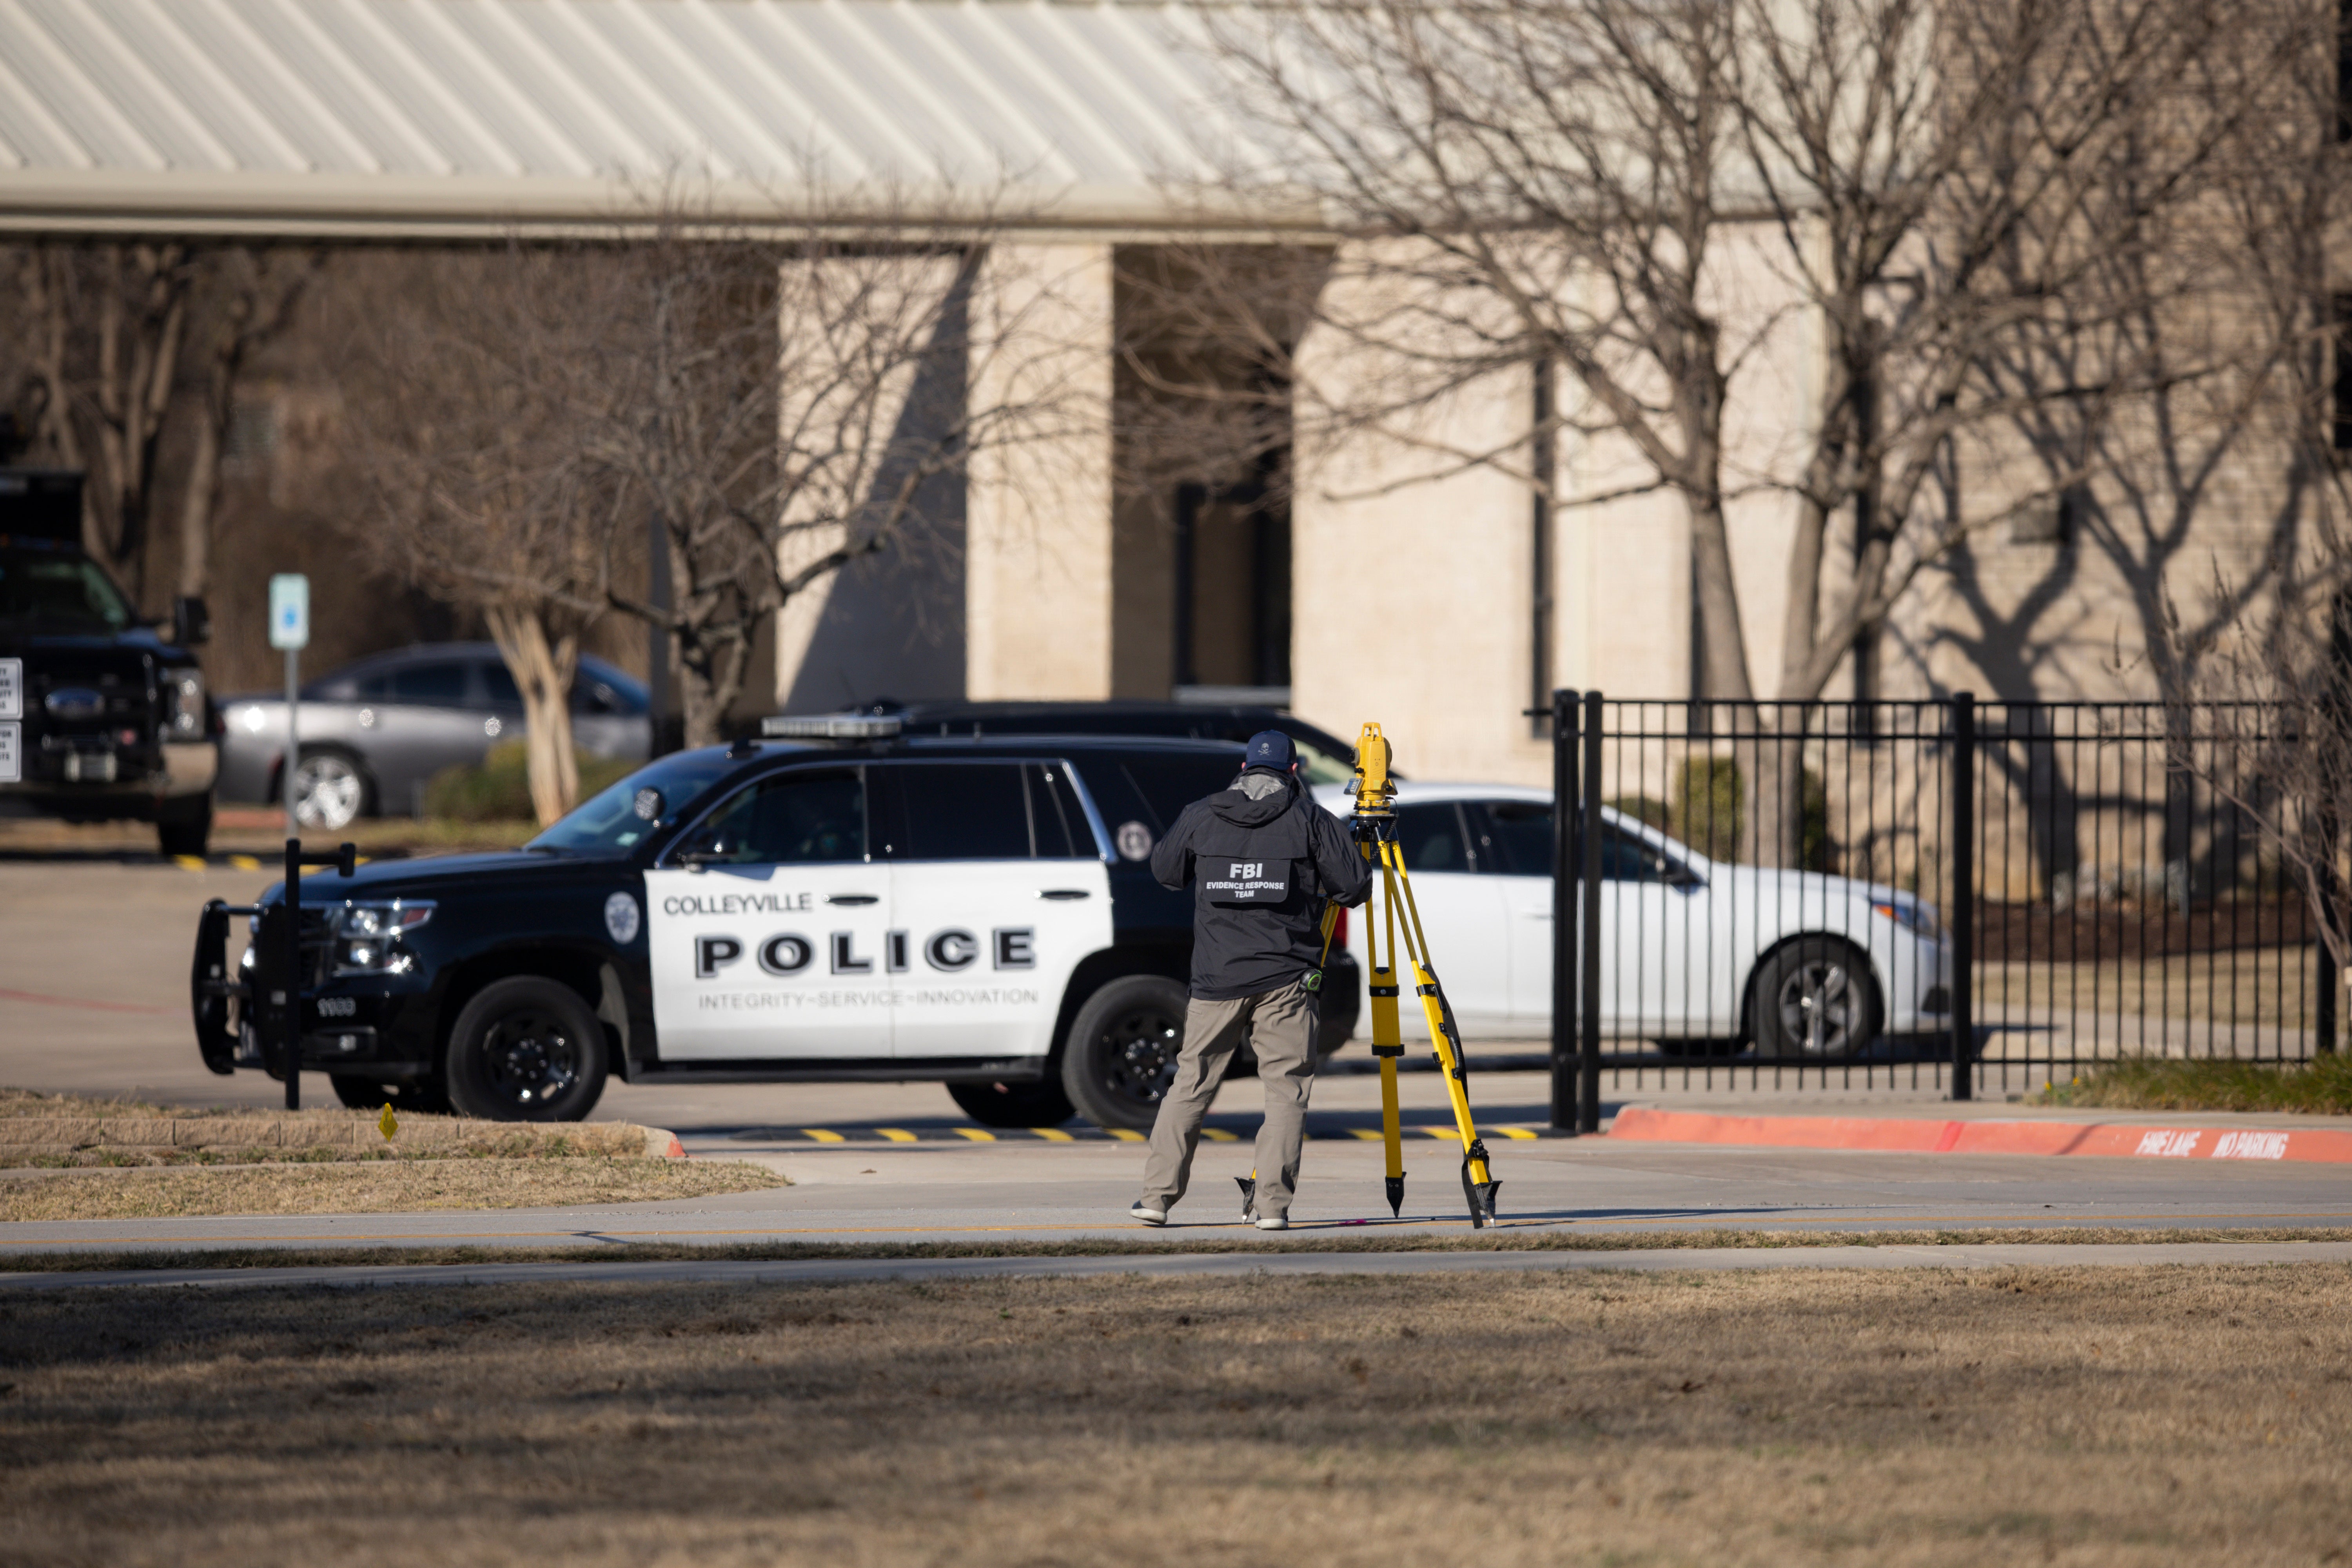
[374, 732]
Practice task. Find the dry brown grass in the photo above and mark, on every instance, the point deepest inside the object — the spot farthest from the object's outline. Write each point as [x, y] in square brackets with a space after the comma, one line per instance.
[2093, 1416]
[383, 1187]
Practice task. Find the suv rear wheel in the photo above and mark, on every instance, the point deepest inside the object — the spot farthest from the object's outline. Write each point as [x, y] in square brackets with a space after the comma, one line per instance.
[1121, 1056]
[526, 1049]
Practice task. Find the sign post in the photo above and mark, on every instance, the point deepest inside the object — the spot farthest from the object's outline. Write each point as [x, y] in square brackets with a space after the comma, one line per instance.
[289, 628]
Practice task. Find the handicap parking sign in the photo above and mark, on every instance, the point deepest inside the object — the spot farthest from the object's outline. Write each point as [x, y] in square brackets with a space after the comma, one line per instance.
[289, 610]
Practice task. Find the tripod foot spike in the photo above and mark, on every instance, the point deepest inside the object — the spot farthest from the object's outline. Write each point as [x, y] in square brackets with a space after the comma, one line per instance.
[1248, 1185]
[1396, 1196]
[1480, 1195]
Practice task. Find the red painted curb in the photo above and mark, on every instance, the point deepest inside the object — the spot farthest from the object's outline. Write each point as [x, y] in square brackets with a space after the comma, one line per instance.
[1638, 1124]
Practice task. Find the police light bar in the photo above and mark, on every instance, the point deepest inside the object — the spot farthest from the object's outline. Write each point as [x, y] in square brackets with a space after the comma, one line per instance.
[832, 727]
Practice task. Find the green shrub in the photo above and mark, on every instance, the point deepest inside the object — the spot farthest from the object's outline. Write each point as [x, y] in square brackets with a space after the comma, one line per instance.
[1709, 806]
[1709, 812]
[499, 789]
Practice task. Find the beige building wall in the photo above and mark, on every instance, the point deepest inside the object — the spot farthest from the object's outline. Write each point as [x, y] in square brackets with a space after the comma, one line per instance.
[1039, 576]
[1413, 588]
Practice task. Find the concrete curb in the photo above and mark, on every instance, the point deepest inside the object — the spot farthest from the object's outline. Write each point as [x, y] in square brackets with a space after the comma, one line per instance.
[1922, 1135]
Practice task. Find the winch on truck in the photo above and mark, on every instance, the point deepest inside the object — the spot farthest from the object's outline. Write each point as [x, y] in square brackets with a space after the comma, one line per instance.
[101, 718]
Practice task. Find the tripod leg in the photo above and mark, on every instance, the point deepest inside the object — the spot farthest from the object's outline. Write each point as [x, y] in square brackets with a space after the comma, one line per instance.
[1388, 1038]
[1393, 1134]
[1479, 1184]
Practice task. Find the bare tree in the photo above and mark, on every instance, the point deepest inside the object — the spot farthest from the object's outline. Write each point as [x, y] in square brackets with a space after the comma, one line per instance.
[1526, 184]
[1640, 193]
[99, 347]
[780, 404]
[107, 322]
[246, 298]
[464, 402]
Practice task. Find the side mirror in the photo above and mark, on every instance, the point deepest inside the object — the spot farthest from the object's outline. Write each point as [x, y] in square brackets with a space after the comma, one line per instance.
[191, 624]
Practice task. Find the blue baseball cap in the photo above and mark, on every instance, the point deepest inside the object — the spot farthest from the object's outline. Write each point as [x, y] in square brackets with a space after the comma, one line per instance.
[1271, 749]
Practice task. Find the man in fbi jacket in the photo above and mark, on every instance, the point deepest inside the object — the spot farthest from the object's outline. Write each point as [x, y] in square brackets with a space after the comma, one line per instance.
[1263, 859]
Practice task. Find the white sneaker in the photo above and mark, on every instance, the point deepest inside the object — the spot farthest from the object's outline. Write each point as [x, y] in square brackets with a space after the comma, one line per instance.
[1273, 1222]
[1144, 1211]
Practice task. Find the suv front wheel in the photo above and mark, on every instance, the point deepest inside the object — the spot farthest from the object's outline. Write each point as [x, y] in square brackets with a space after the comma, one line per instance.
[1121, 1056]
[526, 1049]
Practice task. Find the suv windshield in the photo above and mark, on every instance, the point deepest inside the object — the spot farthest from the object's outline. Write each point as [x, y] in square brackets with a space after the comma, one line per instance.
[608, 824]
[59, 589]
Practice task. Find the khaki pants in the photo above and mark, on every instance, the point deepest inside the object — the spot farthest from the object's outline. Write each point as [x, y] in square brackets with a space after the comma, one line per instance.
[1281, 1026]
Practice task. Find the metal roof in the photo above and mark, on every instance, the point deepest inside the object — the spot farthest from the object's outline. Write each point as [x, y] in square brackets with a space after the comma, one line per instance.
[422, 117]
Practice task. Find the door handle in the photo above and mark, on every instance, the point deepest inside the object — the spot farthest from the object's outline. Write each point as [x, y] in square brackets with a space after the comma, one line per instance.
[1062, 895]
[851, 898]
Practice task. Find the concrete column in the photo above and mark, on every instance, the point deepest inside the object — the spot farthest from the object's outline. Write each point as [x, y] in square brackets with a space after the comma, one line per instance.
[1413, 597]
[1039, 579]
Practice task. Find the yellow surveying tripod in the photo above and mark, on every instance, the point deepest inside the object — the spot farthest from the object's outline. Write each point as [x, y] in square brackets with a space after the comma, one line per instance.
[1374, 827]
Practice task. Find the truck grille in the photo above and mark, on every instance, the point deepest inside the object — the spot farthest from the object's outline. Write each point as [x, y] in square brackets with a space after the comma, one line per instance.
[90, 718]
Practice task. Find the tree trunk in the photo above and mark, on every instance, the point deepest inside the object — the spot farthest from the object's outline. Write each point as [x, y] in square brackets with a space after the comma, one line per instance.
[543, 672]
[710, 676]
[202, 496]
[1723, 676]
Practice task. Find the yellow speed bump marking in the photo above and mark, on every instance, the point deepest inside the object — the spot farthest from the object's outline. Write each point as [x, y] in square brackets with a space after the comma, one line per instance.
[245, 862]
[189, 862]
[1438, 1132]
[1125, 1134]
[895, 1134]
[1514, 1131]
[1217, 1135]
[1369, 1134]
[1053, 1134]
[824, 1134]
[975, 1134]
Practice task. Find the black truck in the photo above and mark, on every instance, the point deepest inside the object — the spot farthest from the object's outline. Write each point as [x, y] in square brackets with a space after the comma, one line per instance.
[101, 718]
[974, 912]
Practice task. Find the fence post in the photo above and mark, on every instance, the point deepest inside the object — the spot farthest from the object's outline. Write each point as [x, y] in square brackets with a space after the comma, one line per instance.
[1964, 873]
[1567, 865]
[1588, 984]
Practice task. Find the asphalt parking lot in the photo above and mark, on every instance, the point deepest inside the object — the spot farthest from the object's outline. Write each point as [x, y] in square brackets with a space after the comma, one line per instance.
[92, 1000]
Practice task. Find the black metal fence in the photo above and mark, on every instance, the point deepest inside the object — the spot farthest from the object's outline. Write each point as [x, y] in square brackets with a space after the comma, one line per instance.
[1946, 893]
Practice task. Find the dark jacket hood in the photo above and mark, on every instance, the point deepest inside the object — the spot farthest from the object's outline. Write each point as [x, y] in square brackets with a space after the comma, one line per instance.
[1237, 809]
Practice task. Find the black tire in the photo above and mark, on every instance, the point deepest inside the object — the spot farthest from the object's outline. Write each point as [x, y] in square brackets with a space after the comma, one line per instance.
[1013, 1104]
[419, 1095]
[186, 832]
[1121, 1055]
[1815, 1000]
[526, 1049]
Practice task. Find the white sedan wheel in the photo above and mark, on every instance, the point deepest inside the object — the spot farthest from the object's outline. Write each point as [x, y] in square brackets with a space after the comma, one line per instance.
[327, 792]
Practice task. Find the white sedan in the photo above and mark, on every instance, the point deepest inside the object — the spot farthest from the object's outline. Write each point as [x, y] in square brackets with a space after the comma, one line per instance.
[1701, 956]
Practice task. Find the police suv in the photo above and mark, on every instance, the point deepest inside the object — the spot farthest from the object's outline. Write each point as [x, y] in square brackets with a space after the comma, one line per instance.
[854, 905]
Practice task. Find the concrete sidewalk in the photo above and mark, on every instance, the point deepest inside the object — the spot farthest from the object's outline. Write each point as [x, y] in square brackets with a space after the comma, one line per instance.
[1171, 1264]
